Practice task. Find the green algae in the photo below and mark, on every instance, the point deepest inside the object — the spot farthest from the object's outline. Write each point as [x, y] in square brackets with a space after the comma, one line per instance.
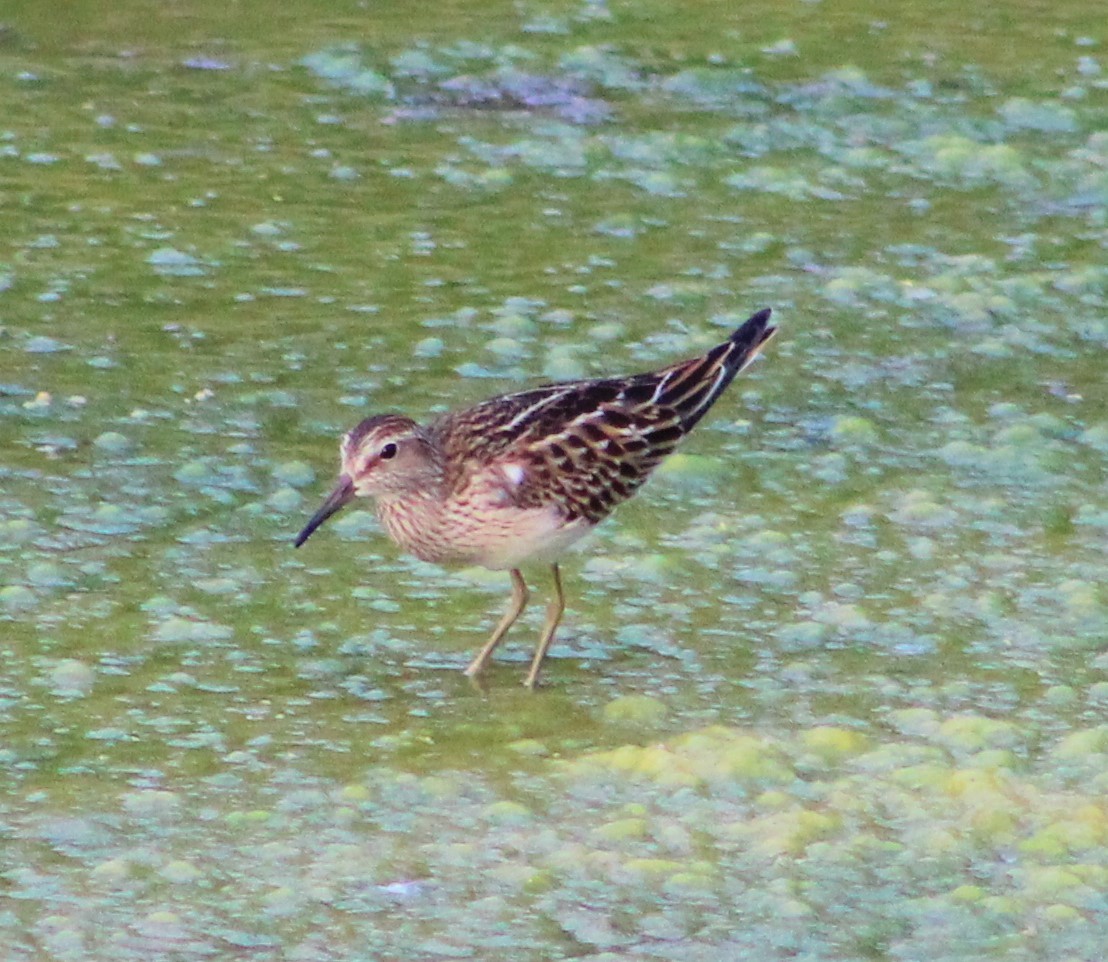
[830, 688]
[1021, 849]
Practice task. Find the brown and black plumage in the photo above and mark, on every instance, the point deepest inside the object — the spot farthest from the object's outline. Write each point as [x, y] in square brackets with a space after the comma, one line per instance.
[520, 477]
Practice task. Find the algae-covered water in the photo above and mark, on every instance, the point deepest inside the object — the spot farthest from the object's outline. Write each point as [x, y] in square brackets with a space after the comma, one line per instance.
[833, 687]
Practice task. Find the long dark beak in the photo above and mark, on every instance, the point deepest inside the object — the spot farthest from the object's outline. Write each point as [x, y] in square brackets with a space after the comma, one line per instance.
[343, 494]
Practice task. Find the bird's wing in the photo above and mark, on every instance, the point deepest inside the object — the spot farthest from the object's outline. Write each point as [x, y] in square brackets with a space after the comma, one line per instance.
[587, 445]
[594, 461]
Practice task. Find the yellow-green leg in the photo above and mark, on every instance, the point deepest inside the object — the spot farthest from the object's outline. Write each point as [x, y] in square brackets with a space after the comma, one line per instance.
[520, 594]
[553, 616]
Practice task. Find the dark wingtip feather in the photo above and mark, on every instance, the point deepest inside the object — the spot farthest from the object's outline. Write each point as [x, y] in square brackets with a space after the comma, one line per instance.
[691, 387]
[755, 330]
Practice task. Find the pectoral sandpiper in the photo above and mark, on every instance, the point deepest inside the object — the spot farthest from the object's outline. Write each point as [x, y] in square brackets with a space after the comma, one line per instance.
[520, 477]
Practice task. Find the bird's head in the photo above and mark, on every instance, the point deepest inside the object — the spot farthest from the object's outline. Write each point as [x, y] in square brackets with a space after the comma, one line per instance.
[387, 455]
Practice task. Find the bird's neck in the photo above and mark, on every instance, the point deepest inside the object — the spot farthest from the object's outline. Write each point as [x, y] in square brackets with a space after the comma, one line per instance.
[411, 519]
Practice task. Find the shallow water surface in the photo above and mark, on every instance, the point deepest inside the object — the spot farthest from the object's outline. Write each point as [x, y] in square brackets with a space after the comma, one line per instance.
[832, 687]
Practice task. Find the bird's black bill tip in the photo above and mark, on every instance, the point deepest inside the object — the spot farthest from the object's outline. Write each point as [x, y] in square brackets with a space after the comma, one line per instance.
[342, 495]
[306, 533]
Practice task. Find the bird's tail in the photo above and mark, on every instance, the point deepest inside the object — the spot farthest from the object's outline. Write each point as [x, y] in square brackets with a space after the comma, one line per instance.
[692, 387]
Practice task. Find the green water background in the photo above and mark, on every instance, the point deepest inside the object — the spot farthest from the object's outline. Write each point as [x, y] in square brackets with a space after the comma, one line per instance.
[833, 687]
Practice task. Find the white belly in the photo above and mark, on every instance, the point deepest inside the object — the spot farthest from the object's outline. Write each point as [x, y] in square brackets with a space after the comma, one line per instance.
[535, 541]
[497, 536]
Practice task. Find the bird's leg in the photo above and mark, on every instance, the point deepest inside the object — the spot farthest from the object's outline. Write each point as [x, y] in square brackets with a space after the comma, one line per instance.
[553, 616]
[520, 595]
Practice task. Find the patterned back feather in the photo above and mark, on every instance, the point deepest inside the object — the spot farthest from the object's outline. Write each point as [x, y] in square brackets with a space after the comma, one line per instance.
[588, 445]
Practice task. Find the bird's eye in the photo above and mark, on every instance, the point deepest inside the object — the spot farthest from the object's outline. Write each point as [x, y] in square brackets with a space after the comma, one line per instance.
[388, 451]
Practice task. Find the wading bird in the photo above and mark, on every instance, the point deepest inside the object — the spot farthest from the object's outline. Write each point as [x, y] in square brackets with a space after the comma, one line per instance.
[519, 478]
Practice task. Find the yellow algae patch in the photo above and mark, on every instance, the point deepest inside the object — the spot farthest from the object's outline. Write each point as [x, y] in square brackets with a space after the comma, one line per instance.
[1052, 882]
[711, 755]
[622, 829]
[915, 721]
[831, 743]
[934, 840]
[974, 783]
[852, 431]
[686, 883]
[1086, 828]
[652, 868]
[968, 893]
[977, 732]
[635, 710]
[774, 799]
[1083, 743]
[508, 812]
[723, 753]
[1063, 914]
[528, 746]
[993, 759]
[926, 776]
[524, 878]
[785, 833]
[354, 793]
